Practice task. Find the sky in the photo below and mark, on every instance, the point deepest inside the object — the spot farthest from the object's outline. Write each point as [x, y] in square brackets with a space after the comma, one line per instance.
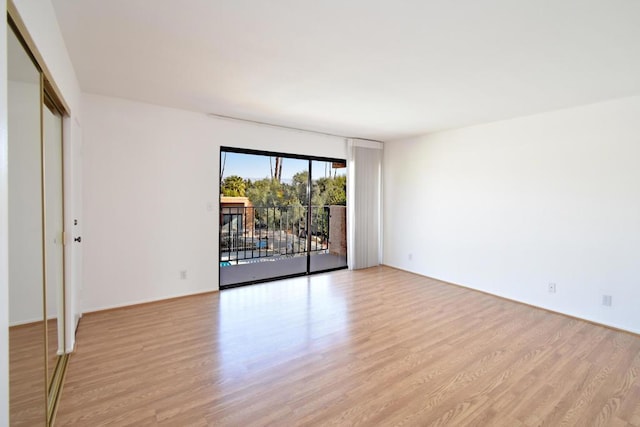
[257, 167]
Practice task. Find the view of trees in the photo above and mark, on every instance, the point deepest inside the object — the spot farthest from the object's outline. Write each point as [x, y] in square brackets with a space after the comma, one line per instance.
[283, 205]
[269, 192]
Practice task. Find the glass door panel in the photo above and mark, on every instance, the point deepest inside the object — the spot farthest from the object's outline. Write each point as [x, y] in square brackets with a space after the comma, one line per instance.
[328, 216]
[54, 220]
[263, 217]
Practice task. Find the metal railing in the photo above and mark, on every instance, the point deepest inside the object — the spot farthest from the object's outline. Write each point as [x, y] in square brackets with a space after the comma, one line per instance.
[252, 233]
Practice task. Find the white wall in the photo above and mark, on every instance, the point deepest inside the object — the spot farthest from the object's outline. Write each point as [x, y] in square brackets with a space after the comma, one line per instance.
[40, 19]
[510, 206]
[4, 230]
[151, 196]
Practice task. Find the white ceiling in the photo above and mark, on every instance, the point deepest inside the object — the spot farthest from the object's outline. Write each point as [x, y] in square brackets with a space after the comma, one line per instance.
[378, 69]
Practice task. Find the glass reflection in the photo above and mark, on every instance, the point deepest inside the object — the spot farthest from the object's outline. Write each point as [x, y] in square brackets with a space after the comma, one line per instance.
[52, 122]
[313, 317]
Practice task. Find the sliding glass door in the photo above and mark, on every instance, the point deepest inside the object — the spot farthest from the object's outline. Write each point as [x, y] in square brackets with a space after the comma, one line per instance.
[328, 242]
[280, 216]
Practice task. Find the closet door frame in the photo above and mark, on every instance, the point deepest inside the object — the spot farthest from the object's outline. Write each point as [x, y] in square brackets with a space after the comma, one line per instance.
[50, 97]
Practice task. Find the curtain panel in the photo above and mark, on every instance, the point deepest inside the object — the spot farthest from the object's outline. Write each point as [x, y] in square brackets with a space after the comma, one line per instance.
[364, 203]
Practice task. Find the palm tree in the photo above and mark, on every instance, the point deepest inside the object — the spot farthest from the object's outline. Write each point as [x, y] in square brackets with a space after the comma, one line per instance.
[233, 186]
[277, 173]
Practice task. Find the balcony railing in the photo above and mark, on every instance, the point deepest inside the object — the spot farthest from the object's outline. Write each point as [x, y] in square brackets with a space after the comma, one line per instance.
[249, 234]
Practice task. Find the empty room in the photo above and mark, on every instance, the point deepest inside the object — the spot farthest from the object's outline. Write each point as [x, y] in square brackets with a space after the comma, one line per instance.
[297, 213]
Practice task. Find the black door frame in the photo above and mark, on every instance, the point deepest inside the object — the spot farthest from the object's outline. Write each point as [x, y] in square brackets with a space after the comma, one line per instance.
[310, 159]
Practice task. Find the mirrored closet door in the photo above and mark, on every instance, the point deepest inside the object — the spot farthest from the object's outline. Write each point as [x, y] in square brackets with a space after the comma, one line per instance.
[53, 243]
[27, 344]
[36, 240]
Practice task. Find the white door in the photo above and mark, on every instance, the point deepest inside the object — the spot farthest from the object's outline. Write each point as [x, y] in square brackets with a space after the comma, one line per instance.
[73, 218]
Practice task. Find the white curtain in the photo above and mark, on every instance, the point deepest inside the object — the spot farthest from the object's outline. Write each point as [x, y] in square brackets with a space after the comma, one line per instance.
[364, 203]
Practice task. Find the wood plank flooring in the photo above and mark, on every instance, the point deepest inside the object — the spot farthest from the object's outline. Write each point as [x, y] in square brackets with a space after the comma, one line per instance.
[370, 347]
[27, 404]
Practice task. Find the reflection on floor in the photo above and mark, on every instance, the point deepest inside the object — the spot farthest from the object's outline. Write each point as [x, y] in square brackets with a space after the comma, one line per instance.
[27, 375]
[27, 370]
[261, 269]
[52, 347]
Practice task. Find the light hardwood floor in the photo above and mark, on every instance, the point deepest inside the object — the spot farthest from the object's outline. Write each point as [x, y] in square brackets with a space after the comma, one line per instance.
[27, 403]
[372, 347]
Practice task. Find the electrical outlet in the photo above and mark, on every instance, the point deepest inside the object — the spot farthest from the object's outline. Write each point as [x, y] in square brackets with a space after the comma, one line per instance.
[552, 288]
[183, 274]
[410, 257]
[606, 300]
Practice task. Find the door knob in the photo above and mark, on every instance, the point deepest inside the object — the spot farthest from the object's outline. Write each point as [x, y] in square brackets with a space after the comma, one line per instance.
[78, 239]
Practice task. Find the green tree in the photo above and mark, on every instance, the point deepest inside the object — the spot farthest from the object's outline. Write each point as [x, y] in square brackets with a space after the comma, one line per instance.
[265, 192]
[276, 204]
[279, 204]
[336, 191]
[329, 191]
[299, 186]
[234, 186]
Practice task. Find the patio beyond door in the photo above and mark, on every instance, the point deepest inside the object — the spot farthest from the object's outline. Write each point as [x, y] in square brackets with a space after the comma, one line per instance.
[280, 216]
